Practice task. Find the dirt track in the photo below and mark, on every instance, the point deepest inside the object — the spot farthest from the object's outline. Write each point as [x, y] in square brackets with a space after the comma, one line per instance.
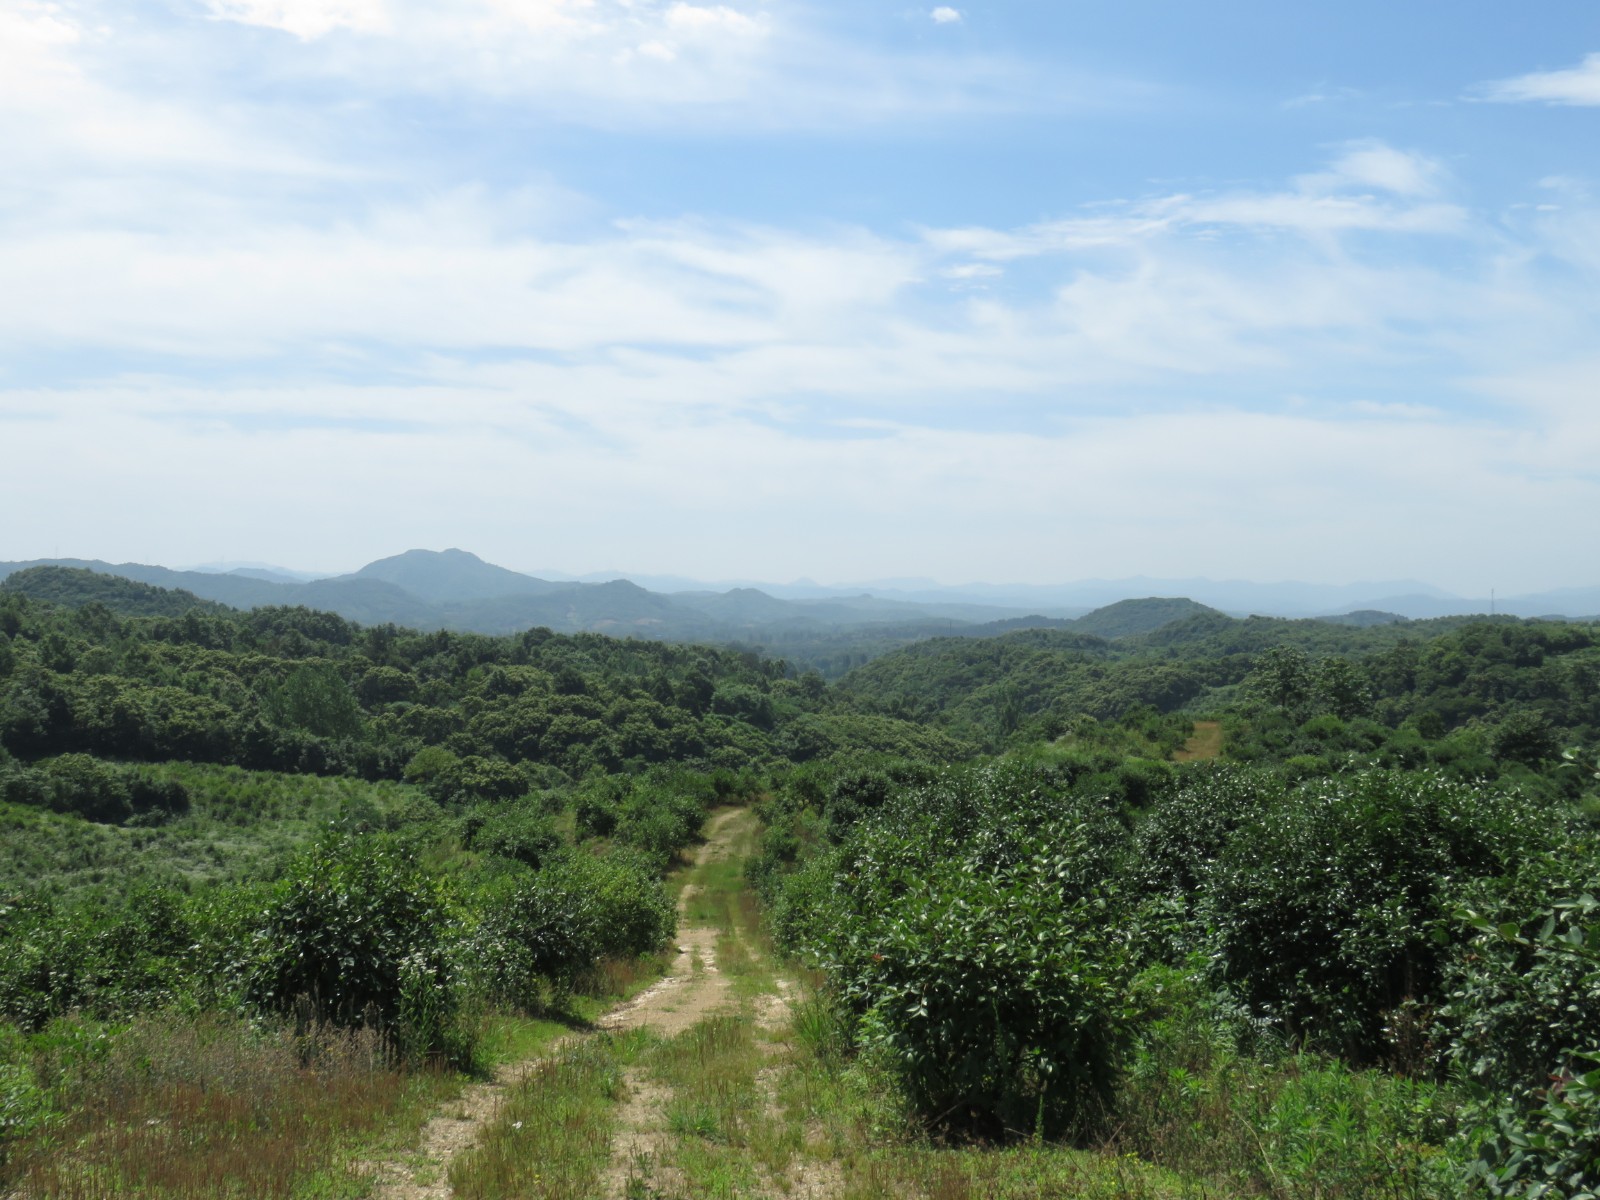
[692, 990]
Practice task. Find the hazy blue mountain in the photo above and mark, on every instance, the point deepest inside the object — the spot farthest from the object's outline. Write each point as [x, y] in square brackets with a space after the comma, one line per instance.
[1570, 602]
[458, 590]
[452, 576]
[1365, 618]
[271, 572]
[234, 590]
[739, 606]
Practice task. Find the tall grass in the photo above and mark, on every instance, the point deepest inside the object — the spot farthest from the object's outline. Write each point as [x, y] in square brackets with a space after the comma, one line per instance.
[184, 1107]
[552, 1138]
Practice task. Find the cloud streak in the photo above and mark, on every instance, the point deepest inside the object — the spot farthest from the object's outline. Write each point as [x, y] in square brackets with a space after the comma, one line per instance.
[1579, 85]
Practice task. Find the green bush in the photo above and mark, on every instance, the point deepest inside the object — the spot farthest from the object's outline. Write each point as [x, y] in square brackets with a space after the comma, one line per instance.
[1524, 1010]
[1524, 993]
[344, 931]
[659, 825]
[24, 1106]
[633, 911]
[519, 831]
[107, 956]
[557, 923]
[79, 783]
[1323, 906]
[1549, 1145]
[971, 928]
[531, 930]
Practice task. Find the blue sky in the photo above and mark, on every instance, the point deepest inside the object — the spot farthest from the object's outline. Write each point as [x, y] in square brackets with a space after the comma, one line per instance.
[1004, 291]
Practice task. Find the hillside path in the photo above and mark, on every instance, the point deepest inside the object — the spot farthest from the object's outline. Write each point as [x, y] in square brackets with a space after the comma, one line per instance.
[692, 990]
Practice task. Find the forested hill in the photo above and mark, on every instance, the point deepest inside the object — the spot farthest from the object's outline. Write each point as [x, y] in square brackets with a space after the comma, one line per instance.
[292, 689]
[1446, 672]
[1128, 618]
[75, 587]
[453, 589]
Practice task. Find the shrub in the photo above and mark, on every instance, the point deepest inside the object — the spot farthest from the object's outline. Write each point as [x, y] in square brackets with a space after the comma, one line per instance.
[106, 957]
[1324, 905]
[1525, 1010]
[79, 783]
[521, 832]
[556, 924]
[970, 926]
[659, 822]
[354, 922]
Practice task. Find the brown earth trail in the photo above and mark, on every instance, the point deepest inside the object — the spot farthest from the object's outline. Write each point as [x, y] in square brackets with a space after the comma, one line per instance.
[693, 989]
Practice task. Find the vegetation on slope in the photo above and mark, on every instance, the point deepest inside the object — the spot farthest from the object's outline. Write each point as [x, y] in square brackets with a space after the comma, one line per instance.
[1348, 950]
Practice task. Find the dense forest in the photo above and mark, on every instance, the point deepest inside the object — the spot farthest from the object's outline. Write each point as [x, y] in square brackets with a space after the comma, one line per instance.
[1298, 908]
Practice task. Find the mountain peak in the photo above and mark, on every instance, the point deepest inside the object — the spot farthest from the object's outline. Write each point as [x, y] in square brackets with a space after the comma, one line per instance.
[443, 576]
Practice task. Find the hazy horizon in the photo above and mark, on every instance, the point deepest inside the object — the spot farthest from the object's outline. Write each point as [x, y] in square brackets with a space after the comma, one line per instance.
[751, 290]
[1373, 588]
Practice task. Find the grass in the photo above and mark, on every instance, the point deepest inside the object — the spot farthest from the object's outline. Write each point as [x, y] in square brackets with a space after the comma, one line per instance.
[552, 1138]
[719, 1135]
[1206, 742]
[180, 1108]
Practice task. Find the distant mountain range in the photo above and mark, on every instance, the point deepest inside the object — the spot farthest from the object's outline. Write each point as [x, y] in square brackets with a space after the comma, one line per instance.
[1406, 598]
[454, 589]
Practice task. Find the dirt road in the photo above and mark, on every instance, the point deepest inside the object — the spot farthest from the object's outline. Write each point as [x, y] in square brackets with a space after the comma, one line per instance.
[693, 989]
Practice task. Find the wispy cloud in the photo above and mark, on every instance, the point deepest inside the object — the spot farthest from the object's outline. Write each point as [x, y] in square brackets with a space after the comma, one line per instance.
[1578, 85]
[655, 62]
[1369, 188]
[306, 19]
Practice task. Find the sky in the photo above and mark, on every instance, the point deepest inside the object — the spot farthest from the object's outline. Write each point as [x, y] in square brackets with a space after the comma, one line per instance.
[1005, 291]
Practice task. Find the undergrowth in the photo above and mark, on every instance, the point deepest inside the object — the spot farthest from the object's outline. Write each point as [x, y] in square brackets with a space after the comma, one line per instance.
[182, 1108]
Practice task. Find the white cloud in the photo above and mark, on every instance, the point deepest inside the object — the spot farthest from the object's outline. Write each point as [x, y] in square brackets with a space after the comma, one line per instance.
[665, 380]
[306, 19]
[972, 271]
[1321, 204]
[945, 15]
[1218, 492]
[1578, 85]
[62, 109]
[718, 19]
[653, 62]
[1299, 212]
[1375, 164]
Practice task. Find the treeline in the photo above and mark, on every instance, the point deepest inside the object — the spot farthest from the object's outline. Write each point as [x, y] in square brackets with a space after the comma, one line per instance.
[1436, 676]
[305, 691]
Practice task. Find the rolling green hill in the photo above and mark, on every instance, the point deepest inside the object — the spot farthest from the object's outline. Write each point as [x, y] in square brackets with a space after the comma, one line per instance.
[75, 587]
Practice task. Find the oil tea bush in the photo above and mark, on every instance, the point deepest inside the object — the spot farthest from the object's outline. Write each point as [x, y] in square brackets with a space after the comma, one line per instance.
[1324, 905]
[1524, 1007]
[555, 924]
[351, 925]
[975, 938]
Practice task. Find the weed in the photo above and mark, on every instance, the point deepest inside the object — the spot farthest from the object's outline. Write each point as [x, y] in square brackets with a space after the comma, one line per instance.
[182, 1108]
[553, 1135]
